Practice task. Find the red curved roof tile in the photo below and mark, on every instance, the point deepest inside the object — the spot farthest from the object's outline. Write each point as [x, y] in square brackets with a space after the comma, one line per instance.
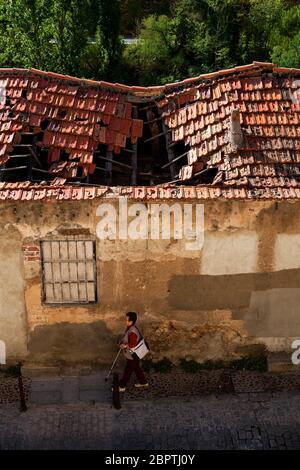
[76, 115]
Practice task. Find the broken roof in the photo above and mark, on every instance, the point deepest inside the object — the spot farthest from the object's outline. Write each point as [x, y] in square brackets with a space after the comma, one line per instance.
[233, 134]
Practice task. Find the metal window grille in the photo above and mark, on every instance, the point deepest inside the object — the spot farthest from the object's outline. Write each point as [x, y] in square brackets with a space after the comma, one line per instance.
[69, 271]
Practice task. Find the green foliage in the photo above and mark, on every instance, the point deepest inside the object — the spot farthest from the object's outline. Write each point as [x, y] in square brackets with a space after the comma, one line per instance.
[258, 363]
[176, 39]
[56, 35]
[133, 12]
[43, 34]
[285, 39]
[25, 33]
[94, 62]
[109, 25]
[206, 35]
[70, 33]
[165, 365]
[13, 370]
[194, 366]
[151, 56]
[252, 362]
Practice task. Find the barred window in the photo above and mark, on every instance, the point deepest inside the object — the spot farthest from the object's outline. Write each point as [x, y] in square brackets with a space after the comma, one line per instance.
[69, 271]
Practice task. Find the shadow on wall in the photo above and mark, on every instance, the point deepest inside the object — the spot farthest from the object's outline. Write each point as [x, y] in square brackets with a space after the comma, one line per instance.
[71, 343]
[204, 292]
[268, 303]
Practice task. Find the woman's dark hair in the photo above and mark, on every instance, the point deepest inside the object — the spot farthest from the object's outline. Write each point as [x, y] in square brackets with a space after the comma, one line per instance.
[132, 316]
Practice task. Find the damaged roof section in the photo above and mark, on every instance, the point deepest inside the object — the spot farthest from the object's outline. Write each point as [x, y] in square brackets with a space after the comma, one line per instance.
[242, 123]
[55, 126]
[234, 133]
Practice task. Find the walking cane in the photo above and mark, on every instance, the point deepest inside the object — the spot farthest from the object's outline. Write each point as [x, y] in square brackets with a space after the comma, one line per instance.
[106, 378]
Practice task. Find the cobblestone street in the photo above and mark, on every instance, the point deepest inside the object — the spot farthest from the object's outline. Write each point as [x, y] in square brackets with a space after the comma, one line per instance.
[244, 421]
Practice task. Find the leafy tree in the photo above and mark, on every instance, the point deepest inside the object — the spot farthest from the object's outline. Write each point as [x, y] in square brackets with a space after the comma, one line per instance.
[109, 24]
[134, 11]
[151, 57]
[94, 59]
[263, 20]
[25, 33]
[82, 37]
[285, 39]
[70, 34]
[58, 35]
[206, 35]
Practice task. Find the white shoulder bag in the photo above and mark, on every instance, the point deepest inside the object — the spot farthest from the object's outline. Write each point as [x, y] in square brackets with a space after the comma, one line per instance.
[141, 349]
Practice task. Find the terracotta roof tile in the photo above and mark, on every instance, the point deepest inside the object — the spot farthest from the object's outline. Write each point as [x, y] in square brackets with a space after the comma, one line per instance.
[268, 112]
[137, 128]
[84, 113]
[59, 191]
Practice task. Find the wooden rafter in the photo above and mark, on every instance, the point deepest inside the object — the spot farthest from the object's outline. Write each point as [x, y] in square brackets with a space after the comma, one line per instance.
[134, 154]
[170, 152]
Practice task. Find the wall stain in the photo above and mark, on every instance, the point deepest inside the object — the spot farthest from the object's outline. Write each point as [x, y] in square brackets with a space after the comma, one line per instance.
[72, 343]
[202, 292]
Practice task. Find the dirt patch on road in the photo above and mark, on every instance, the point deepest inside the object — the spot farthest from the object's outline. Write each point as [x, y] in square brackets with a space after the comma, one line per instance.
[178, 382]
[9, 388]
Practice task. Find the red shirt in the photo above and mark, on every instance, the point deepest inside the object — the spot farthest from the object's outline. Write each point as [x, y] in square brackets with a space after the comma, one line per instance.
[132, 340]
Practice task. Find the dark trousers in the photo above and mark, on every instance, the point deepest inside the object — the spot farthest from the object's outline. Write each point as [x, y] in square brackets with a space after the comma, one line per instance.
[132, 365]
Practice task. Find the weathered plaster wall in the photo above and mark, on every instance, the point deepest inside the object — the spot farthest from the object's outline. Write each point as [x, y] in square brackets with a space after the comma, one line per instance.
[241, 289]
[12, 307]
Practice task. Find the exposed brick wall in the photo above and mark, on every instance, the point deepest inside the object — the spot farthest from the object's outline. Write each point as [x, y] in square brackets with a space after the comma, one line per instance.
[31, 251]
